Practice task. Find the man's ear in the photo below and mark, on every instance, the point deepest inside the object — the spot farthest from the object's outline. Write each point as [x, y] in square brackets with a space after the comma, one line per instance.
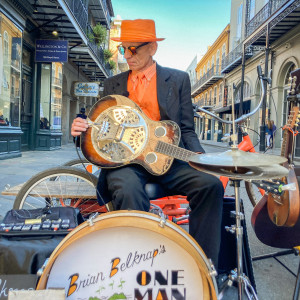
[153, 48]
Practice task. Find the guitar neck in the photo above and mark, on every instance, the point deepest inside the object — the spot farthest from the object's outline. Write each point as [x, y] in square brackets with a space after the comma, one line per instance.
[173, 151]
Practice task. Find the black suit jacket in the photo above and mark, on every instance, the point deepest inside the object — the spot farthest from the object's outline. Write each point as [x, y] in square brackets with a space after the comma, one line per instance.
[174, 100]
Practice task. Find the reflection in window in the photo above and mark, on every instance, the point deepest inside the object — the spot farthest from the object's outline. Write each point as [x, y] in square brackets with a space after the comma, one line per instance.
[10, 71]
[45, 96]
[51, 96]
[56, 96]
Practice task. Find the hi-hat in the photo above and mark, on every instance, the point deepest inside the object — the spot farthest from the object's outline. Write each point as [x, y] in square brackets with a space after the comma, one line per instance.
[240, 165]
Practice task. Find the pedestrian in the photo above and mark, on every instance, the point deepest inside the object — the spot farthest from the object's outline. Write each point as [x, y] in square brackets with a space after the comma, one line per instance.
[270, 130]
[82, 114]
[163, 94]
[272, 134]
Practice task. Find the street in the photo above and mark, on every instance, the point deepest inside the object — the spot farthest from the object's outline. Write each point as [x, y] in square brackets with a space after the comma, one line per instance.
[273, 281]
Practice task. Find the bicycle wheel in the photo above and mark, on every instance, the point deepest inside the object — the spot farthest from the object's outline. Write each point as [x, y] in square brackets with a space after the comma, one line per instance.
[253, 192]
[83, 164]
[60, 186]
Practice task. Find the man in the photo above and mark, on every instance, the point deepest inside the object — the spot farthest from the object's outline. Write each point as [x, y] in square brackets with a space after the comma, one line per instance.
[163, 94]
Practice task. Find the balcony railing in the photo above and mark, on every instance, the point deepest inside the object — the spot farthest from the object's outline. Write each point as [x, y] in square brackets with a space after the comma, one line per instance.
[207, 80]
[105, 11]
[232, 56]
[268, 10]
[79, 12]
[57, 82]
[98, 51]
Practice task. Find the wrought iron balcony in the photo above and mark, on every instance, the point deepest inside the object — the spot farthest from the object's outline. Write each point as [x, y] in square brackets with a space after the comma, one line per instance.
[262, 16]
[105, 10]
[211, 77]
[234, 58]
[79, 11]
[98, 52]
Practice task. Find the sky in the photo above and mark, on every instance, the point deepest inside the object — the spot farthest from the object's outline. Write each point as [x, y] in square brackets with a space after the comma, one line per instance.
[188, 26]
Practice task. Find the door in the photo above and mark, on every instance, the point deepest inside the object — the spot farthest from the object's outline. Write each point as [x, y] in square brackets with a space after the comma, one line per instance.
[26, 111]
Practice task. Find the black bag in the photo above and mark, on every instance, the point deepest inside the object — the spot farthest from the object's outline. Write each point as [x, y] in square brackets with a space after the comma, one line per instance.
[40, 221]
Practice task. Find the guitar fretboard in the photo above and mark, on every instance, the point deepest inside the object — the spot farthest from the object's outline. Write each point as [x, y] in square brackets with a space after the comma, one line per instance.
[174, 151]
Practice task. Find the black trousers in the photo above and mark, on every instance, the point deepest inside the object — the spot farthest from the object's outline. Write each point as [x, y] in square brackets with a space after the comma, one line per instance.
[204, 192]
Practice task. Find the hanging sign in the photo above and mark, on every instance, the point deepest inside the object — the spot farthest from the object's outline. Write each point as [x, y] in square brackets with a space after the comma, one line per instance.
[86, 89]
[51, 51]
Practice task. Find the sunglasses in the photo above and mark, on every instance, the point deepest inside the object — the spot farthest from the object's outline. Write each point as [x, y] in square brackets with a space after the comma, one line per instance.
[131, 49]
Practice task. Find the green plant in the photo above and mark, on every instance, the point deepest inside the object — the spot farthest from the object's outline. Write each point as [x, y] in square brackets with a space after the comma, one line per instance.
[107, 55]
[98, 35]
[112, 64]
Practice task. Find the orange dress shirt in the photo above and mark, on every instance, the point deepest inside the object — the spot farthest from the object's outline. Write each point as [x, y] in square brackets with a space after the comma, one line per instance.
[143, 91]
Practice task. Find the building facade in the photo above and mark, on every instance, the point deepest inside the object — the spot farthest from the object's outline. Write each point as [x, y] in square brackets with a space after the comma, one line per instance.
[264, 33]
[45, 48]
[208, 88]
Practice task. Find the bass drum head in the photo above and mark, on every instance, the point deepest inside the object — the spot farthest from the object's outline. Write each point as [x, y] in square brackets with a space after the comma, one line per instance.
[129, 255]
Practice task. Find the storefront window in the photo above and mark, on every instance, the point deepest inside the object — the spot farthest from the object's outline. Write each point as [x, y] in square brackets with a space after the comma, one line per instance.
[45, 96]
[51, 96]
[10, 72]
[56, 96]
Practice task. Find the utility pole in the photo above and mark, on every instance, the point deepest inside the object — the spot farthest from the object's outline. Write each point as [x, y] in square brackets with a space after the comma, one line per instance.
[242, 91]
[262, 145]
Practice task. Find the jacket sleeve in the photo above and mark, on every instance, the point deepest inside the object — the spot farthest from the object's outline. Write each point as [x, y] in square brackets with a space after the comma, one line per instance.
[188, 135]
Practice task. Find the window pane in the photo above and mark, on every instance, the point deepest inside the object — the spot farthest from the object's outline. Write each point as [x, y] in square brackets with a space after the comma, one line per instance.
[56, 96]
[45, 96]
[10, 72]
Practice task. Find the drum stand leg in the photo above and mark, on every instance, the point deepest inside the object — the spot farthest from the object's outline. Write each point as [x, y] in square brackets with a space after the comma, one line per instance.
[237, 275]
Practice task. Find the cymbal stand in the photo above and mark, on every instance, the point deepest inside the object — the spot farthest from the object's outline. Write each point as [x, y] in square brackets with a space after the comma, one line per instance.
[237, 275]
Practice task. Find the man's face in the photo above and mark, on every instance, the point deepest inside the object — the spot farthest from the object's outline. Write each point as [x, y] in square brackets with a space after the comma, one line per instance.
[143, 57]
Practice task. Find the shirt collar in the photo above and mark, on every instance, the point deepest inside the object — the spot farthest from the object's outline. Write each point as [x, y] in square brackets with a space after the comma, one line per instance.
[148, 73]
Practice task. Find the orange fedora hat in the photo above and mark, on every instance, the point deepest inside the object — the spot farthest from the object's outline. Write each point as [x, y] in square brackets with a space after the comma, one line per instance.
[140, 30]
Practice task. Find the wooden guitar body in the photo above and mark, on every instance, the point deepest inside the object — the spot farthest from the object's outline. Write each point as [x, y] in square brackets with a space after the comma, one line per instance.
[275, 220]
[284, 210]
[269, 233]
[120, 134]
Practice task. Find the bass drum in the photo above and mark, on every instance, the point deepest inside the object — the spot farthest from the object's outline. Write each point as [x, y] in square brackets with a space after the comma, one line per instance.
[130, 255]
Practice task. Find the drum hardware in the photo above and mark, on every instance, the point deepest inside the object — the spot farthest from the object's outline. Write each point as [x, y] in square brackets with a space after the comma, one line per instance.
[91, 218]
[239, 165]
[42, 268]
[237, 274]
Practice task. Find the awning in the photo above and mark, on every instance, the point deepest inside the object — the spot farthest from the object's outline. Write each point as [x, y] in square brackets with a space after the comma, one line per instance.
[228, 109]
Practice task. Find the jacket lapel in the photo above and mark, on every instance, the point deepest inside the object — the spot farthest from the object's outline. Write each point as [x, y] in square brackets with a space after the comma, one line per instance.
[120, 84]
[163, 90]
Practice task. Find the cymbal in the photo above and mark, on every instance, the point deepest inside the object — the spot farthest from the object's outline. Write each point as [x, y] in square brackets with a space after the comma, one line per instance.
[244, 173]
[238, 164]
[237, 158]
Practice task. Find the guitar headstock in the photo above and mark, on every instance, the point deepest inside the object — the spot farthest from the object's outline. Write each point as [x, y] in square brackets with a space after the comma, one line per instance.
[294, 82]
[292, 85]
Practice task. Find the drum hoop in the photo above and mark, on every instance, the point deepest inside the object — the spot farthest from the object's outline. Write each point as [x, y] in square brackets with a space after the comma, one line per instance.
[196, 250]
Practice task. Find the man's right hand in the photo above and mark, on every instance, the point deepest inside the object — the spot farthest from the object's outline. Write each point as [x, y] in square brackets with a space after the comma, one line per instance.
[79, 125]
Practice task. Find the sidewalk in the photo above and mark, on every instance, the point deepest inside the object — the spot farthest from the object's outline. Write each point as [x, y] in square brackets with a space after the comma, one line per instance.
[20, 169]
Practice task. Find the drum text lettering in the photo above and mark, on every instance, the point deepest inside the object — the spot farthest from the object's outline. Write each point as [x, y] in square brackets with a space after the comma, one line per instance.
[90, 280]
[132, 260]
[161, 294]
